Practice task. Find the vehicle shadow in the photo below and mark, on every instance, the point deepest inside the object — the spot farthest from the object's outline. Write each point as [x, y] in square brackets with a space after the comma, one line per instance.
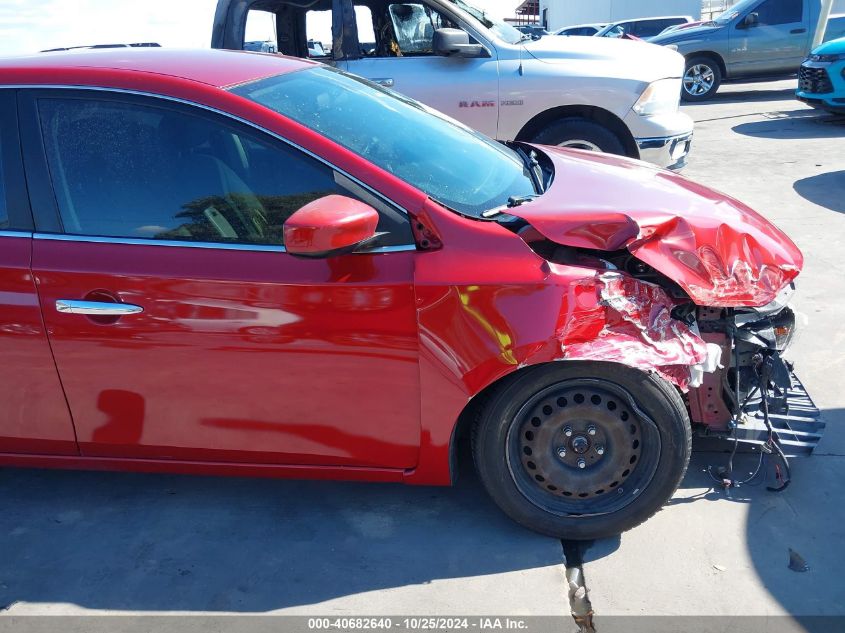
[795, 124]
[826, 190]
[808, 518]
[727, 95]
[120, 541]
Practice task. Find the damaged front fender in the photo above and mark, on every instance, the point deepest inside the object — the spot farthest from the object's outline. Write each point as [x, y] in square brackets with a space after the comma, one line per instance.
[518, 309]
[488, 306]
[631, 323]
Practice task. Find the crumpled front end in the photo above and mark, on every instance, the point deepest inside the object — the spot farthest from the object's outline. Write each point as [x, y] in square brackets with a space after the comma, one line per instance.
[691, 284]
[631, 323]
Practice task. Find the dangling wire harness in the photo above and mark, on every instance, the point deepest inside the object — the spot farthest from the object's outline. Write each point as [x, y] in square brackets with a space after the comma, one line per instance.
[763, 364]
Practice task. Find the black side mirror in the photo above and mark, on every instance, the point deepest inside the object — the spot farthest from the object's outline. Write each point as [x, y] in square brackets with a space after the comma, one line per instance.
[751, 20]
[455, 43]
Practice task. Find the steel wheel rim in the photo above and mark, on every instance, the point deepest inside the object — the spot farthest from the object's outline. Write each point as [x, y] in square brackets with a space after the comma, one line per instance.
[577, 143]
[699, 80]
[608, 482]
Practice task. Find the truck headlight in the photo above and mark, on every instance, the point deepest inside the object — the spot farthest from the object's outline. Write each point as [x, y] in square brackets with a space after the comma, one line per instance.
[660, 97]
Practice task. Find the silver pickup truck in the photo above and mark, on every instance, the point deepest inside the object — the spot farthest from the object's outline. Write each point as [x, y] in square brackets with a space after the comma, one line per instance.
[754, 38]
[615, 96]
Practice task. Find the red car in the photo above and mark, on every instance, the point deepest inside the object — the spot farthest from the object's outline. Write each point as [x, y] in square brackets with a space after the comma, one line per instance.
[242, 264]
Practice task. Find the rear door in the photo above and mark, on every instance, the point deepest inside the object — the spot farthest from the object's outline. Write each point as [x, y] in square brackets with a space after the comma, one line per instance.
[778, 43]
[215, 344]
[34, 417]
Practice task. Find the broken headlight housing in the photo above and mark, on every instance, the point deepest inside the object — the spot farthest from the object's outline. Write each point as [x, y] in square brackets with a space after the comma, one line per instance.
[774, 331]
[772, 326]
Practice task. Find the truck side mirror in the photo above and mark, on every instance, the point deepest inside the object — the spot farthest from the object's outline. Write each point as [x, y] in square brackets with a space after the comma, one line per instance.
[455, 43]
[751, 20]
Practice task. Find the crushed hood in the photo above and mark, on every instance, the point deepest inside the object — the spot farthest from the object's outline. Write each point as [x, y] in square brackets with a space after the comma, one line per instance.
[720, 251]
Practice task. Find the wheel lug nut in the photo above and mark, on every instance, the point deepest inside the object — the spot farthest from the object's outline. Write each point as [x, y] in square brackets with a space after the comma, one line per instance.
[561, 452]
[600, 450]
[591, 430]
[568, 431]
[582, 463]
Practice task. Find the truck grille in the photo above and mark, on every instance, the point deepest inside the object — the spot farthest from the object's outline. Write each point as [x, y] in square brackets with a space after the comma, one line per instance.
[814, 81]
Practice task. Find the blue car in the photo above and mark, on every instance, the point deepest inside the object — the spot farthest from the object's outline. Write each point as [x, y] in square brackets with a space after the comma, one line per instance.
[821, 80]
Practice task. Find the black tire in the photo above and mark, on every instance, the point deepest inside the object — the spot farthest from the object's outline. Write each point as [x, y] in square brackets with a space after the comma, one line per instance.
[702, 79]
[614, 399]
[580, 133]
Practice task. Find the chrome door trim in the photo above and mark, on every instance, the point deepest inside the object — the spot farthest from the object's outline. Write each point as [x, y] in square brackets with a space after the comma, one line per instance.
[261, 248]
[96, 308]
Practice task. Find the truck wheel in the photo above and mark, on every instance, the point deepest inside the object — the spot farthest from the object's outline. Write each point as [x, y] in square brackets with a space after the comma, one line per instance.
[702, 78]
[582, 450]
[579, 133]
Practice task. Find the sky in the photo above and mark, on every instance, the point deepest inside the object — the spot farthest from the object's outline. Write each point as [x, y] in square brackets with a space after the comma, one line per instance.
[29, 26]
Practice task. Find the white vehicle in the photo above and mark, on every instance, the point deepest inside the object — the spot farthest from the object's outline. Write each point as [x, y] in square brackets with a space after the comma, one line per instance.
[583, 30]
[598, 94]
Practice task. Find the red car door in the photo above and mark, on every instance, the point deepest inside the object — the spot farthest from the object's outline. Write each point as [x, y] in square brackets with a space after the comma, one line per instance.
[34, 417]
[181, 328]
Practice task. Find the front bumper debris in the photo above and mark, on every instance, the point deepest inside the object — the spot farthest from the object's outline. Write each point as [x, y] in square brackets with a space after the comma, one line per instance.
[795, 419]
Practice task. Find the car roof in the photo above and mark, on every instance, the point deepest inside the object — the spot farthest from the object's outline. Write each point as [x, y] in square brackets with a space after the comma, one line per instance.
[208, 66]
[581, 26]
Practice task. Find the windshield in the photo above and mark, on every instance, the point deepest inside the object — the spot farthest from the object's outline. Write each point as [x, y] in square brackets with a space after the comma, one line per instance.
[456, 166]
[614, 30]
[734, 11]
[502, 29]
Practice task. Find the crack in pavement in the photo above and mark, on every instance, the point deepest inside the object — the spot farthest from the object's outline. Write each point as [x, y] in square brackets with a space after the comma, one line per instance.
[579, 598]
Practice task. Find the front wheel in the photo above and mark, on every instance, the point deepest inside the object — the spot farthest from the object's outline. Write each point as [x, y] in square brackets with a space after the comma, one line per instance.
[702, 78]
[580, 133]
[583, 450]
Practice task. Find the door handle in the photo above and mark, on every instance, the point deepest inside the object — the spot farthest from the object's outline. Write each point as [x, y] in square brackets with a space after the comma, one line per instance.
[96, 308]
[797, 31]
[387, 82]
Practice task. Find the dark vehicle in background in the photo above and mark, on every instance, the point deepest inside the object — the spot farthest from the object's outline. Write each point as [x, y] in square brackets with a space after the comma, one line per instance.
[97, 46]
[260, 47]
[534, 30]
[754, 38]
[587, 30]
[643, 27]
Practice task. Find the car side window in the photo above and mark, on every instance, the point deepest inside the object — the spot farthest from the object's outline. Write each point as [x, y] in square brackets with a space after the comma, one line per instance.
[774, 12]
[132, 170]
[400, 29]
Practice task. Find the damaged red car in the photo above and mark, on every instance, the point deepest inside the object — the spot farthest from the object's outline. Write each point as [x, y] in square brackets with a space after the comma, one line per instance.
[241, 264]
